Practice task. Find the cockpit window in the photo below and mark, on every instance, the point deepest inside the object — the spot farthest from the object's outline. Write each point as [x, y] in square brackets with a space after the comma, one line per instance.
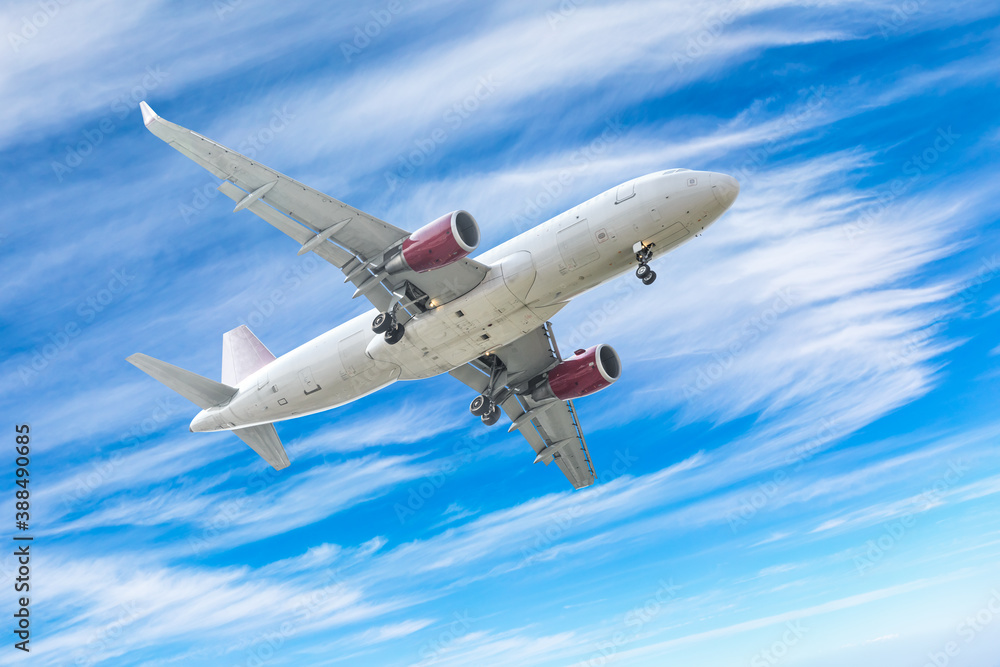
[673, 171]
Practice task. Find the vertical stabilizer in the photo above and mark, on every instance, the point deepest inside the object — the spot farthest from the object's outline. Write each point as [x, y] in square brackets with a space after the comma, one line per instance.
[242, 355]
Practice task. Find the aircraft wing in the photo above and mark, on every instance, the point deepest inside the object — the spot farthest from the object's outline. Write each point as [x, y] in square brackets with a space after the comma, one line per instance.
[552, 428]
[351, 240]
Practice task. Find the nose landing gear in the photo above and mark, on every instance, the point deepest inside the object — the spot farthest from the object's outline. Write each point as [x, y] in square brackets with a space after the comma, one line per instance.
[643, 272]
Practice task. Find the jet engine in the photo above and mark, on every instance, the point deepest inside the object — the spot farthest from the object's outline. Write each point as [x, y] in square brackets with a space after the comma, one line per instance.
[586, 372]
[448, 239]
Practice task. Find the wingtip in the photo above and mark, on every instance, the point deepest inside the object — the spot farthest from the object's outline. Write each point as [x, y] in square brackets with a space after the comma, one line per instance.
[148, 115]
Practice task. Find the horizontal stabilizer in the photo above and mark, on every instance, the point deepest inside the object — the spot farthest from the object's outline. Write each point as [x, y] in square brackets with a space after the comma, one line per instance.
[242, 355]
[264, 440]
[199, 390]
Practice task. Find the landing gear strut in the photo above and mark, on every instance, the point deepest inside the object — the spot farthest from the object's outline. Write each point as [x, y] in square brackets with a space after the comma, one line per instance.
[643, 272]
[385, 323]
[485, 405]
[493, 416]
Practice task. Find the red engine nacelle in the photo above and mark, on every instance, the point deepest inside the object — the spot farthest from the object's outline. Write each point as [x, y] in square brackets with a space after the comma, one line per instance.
[584, 373]
[448, 239]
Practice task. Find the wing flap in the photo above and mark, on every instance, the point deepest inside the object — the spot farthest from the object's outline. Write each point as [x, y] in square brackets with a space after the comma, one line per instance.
[368, 236]
[302, 212]
[554, 432]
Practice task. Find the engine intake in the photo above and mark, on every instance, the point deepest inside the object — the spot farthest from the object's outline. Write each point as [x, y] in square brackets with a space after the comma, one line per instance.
[448, 239]
[584, 373]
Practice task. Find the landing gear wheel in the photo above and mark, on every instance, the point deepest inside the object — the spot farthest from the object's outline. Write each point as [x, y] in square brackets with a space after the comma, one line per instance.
[394, 335]
[480, 406]
[382, 323]
[643, 271]
[492, 417]
[649, 278]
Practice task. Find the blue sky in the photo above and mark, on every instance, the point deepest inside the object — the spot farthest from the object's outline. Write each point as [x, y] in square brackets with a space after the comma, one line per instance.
[799, 465]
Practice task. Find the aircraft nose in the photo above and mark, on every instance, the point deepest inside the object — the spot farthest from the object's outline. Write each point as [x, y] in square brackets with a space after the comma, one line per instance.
[725, 187]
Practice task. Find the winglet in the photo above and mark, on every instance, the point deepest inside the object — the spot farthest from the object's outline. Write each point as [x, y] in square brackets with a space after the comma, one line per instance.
[148, 115]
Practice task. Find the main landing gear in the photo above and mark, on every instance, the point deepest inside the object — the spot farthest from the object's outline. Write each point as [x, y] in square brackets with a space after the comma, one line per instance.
[644, 273]
[485, 406]
[482, 406]
[385, 323]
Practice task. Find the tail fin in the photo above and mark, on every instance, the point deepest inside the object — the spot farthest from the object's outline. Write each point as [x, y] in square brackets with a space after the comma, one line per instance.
[207, 393]
[242, 354]
[201, 391]
[264, 440]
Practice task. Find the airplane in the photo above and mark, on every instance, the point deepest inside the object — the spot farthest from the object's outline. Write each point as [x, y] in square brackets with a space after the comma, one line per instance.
[483, 320]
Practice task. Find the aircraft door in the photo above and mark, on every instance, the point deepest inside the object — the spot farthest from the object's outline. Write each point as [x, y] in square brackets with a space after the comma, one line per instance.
[576, 246]
[308, 383]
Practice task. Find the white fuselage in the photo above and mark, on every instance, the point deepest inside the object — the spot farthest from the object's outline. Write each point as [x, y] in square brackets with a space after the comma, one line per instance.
[531, 277]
